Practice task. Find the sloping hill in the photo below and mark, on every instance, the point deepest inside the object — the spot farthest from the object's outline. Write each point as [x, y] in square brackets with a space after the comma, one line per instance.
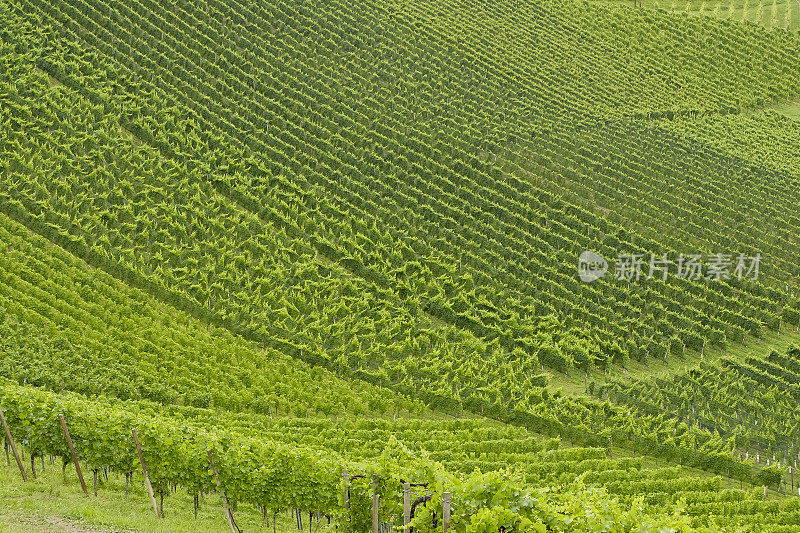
[424, 222]
[395, 194]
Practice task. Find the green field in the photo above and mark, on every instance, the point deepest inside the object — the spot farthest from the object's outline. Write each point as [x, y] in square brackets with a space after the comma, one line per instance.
[333, 245]
[776, 15]
[791, 110]
[782, 15]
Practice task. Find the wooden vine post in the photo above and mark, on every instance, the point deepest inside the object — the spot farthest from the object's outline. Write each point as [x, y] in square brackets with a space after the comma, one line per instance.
[144, 471]
[375, 501]
[72, 453]
[445, 511]
[346, 495]
[33, 464]
[225, 506]
[13, 446]
[406, 507]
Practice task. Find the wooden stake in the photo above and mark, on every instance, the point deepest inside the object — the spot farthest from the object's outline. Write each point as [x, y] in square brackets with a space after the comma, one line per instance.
[72, 453]
[346, 498]
[406, 507]
[445, 511]
[375, 498]
[144, 471]
[227, 509]
[13, 446]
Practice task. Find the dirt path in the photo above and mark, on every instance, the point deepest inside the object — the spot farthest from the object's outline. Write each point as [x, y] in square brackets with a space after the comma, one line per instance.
[14, 523]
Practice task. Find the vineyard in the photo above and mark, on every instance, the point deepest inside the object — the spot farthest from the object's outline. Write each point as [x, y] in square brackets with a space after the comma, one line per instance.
[308, 256]
[775, 14]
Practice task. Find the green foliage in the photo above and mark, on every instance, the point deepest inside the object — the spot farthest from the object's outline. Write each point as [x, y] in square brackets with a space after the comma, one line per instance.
[339, 183]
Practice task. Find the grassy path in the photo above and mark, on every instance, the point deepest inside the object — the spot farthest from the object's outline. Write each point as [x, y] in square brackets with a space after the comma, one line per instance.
[54, 503]
[573, 382]
[772, 14]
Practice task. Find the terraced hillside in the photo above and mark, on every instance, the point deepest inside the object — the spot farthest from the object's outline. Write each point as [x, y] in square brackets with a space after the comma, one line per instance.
[221, 216]
[420, 247]
[575, 487]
